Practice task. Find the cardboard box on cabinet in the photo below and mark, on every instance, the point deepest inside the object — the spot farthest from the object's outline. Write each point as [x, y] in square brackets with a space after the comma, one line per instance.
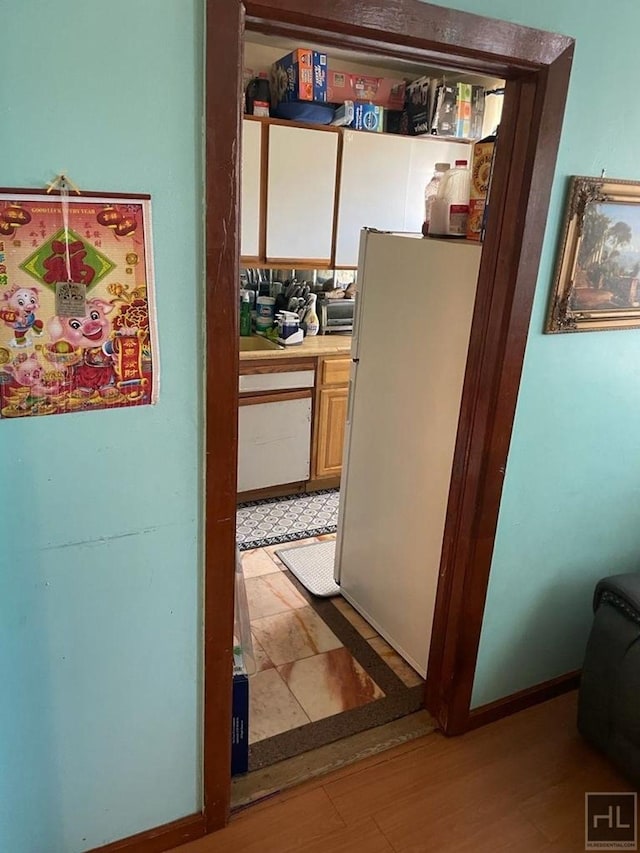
[360, 116]
[299, 76]
[382, 91]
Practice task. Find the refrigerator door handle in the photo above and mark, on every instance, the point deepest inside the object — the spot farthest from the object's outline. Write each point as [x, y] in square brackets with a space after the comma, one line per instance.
[351, 393]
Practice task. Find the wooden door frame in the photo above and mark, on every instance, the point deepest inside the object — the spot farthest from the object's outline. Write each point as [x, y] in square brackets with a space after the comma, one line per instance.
[536, 66]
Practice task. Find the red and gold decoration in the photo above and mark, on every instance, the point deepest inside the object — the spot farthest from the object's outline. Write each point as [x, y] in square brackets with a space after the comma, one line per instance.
[107, 357]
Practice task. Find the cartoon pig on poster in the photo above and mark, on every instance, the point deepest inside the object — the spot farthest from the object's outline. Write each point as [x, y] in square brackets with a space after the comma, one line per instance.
[27, 372]
[96, 373]
[17, 311]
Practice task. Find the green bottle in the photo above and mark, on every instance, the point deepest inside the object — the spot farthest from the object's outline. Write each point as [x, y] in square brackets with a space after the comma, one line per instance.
[245, 315]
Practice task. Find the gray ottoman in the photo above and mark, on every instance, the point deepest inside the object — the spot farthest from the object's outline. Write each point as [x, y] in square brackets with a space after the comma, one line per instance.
[609, 699]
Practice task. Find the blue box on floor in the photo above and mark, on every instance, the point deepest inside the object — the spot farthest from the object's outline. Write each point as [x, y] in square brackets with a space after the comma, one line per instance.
[239, 716]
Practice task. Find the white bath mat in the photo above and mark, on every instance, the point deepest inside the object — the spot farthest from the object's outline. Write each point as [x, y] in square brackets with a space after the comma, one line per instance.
[313, 566]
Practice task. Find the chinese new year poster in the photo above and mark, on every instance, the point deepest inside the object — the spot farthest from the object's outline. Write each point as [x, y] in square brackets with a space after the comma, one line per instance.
[99, 351]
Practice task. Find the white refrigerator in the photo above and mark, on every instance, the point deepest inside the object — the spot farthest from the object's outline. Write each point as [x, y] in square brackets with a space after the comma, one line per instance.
[414, 309]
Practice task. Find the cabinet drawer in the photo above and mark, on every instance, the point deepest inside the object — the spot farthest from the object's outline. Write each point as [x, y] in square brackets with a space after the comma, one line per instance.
[288, 380]
[335, 371]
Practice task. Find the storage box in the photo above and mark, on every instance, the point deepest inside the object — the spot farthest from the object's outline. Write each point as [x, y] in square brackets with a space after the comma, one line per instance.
[415, 119]
[477, 111]
[360, 116]
[239, 716]
[344, 114]
[368, 117]
[299, 76]
[463, 109]
[445, 114]
[383, 91]
[481, 168]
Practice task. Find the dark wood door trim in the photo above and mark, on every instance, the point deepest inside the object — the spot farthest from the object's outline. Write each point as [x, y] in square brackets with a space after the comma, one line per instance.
[223, 114]
[537, 66]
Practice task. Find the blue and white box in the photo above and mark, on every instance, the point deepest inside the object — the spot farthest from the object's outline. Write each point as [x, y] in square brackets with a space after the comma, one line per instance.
[368, 117]
[300, 76]
[361, 115]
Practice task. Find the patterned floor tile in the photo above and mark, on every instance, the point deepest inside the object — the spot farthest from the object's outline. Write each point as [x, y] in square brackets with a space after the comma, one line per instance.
[286, 519]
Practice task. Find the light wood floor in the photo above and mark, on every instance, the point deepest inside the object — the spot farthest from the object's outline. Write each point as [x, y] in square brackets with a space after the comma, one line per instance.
[515, 785]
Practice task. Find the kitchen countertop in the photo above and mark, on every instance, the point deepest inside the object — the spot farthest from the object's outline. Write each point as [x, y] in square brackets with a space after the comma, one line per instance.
[314, 347]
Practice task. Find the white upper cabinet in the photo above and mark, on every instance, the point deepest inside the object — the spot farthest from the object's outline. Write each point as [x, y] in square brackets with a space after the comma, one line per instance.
[382, 184]
[373, 183]
[382, 181]
[301, 193]
[250, 188]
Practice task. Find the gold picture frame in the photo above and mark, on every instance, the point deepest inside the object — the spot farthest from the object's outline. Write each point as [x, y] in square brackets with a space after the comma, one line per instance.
[597, 283]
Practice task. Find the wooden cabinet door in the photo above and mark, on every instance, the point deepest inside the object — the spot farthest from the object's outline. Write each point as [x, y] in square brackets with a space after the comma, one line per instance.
[330, 425]
[301, 184]
[373, 188]
[274, 440]
[250, 184]
[382, 183]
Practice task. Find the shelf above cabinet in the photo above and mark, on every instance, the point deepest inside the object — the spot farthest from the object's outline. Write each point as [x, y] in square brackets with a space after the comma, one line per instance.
[332, 129]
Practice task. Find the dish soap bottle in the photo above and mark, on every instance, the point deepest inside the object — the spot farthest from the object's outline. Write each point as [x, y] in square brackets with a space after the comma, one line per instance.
[430, 193]
[311, 321]
[245, 315]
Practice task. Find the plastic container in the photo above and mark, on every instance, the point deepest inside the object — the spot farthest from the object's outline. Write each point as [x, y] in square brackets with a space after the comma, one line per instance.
[431, 191]
[258, 97]
[311, 323]
[450, 208]
[242, 639]
[265, 313]
[245, 315]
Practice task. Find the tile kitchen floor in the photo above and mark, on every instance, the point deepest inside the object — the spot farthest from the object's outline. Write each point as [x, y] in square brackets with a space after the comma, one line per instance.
[304, 673]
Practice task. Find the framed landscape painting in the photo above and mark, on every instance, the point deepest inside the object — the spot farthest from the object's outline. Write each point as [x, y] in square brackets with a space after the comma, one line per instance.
[597, 283]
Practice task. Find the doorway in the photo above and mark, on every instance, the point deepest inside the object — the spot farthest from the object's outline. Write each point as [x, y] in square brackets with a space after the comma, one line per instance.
[327, 661]
[536, 67]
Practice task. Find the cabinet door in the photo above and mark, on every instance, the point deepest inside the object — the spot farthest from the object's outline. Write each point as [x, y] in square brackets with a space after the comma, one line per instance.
[274, 441]
[301, 181]
[250, 180]
[332, 418]
[373, 186]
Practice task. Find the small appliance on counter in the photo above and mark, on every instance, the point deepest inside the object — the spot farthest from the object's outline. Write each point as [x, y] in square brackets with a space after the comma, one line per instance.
[336, 315]
[289, 331]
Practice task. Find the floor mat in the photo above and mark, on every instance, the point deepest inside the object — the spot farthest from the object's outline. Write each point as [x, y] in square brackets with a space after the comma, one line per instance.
[313, 566]
[287, 519]
[399, 699]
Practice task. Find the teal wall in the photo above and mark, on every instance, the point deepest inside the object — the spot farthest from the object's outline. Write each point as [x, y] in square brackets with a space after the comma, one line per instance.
[571, 501]
[99, 561]
[99, 578]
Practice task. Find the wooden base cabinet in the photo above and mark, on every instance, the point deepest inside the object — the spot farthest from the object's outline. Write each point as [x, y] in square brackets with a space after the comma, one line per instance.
[332, 395]
[330, 424]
